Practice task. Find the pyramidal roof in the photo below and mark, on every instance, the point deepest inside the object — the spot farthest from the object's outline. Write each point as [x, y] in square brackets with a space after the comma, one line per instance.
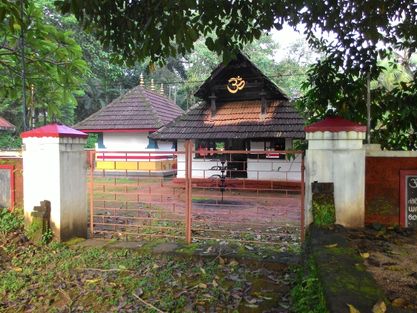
[6, 125]
[137, 110]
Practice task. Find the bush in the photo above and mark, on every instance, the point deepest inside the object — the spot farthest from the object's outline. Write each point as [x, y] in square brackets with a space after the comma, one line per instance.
[307, 295]
[9, 221]
[9, 141]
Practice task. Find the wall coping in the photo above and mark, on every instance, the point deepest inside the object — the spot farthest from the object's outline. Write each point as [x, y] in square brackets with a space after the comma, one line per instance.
[334, 124]
[55, 131]
[391, 154]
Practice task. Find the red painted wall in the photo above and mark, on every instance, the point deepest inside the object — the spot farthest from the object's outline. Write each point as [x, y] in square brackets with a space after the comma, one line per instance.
[382, 188]
[18, 179]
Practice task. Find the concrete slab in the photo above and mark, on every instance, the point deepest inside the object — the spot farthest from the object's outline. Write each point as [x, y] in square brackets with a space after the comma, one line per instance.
[165, 247]
[92, 243]
[134, 245]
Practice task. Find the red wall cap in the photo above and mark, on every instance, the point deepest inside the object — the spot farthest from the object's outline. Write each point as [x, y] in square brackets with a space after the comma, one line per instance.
[335, 124]
[54, 130]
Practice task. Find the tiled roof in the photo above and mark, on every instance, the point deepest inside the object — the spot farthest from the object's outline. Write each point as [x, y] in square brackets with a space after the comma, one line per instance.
[240, 120]
[6, 125]
[138, 109]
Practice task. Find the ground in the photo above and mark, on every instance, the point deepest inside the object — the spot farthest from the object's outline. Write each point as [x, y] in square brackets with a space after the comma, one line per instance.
[390, 255]
[105, 276]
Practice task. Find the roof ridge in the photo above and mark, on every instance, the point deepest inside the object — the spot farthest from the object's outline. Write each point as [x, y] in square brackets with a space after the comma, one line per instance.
[113, 102]
[149, 103]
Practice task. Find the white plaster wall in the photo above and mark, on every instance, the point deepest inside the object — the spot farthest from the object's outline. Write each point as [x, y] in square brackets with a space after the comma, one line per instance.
[73, 182]
[126, 141]
[275, 169]
[343, 164]
[165, 145]
[41, 176]
[54, 169]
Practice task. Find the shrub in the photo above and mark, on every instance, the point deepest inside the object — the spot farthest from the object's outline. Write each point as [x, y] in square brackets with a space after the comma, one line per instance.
[10, 221]
[307, 295]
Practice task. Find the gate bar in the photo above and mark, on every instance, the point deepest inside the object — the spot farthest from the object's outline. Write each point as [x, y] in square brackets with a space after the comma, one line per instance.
[302, 198]
[91, 159]
[188, 189]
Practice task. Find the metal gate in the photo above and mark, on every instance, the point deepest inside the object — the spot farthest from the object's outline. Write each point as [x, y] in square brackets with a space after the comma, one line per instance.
[195, 195]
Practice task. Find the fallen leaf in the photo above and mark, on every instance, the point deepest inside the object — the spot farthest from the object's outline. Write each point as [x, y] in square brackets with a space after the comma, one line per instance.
[398, 302]
[364, 255]
[379, 307]
[202, 286]
[334, 245]
[92, 281]
[233, 263]
[155, 266]
[215, 284]
[203, 271]
[221, 260]
[352, 309]
[253, 306]
[17, 269]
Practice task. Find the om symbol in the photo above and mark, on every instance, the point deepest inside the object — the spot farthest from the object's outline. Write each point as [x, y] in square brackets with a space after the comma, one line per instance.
[235, 84]
[413, 182]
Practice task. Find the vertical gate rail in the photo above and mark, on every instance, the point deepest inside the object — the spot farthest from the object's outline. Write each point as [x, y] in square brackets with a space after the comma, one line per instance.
[188, 189]
[91, 158]
[263, 202]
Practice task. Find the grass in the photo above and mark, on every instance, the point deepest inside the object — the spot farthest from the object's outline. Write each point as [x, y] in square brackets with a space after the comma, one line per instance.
[58, 277]
[307, 294]
[10, 221]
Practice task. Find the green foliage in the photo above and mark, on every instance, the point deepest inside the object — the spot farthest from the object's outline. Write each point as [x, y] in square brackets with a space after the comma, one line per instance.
[47, 236]
[10, 221]
[10, 141]
[324, 212]
[91, 141]
[307, 294]
[353, 35]
[54, 66]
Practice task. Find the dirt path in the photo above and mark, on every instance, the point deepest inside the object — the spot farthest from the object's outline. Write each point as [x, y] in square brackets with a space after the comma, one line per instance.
[391, 256]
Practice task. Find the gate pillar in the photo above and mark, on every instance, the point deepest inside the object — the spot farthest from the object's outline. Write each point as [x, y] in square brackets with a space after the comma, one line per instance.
[336, 155]
[54, 169]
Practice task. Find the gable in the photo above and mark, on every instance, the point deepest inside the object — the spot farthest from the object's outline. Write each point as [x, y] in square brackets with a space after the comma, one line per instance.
[239, 80]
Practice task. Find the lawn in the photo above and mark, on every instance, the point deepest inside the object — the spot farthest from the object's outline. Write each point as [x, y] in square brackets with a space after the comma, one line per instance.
[72, 278]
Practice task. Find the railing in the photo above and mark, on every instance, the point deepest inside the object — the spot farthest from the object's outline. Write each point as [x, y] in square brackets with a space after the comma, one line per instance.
[245, 196]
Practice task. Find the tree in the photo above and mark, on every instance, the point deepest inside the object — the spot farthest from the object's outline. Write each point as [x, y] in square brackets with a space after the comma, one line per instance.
[54, 65]
[360, 34]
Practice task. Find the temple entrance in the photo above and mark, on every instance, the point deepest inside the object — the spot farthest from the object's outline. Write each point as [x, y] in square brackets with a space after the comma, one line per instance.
[237, 162]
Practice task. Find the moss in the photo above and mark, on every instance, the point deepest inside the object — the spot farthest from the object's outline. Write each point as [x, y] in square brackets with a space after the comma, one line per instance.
[188, 249]
[324, 211]
[74, 241]
[34, 230]
[382, 206]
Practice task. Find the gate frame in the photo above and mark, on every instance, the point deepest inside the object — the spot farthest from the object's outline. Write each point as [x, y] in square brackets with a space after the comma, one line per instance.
[189, 151]
[12, 183]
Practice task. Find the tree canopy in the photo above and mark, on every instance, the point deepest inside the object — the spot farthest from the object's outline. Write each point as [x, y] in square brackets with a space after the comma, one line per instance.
[355, 37]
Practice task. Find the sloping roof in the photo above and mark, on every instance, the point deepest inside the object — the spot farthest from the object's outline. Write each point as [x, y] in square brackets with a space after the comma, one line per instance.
[239, 120]
[6, 125]
[54, 130]
[240, 62]
[138, 109]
